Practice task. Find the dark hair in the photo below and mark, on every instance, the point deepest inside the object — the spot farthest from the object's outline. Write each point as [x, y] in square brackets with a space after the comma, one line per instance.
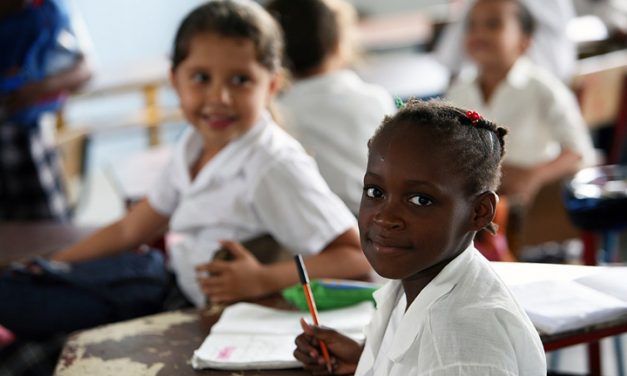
[312, 31]
[235, 19]
[477, 144]
[526, 20]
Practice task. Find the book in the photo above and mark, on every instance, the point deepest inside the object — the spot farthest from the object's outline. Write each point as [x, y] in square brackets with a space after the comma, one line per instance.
[250, 336]
[560, 298]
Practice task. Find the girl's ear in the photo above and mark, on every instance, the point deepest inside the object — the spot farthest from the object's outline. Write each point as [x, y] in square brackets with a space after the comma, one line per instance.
[484, 210]
[276, 83]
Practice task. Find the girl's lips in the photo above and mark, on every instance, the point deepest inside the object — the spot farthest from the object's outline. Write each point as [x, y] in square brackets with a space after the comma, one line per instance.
[386, 247]
[218, 122]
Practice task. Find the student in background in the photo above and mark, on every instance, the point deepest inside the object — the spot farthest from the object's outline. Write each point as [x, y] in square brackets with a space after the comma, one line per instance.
[328, 108]
[548, 138]
[234, 175]
[429, 187]
[552, 49]
[40, 62]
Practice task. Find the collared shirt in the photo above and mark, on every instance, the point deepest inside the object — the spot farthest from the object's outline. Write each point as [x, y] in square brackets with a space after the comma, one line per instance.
[539, 112]
[464, 322]
[262, 182]
[333, 116]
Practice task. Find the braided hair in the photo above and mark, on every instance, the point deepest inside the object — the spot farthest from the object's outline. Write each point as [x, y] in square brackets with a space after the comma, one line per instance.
[477, 144]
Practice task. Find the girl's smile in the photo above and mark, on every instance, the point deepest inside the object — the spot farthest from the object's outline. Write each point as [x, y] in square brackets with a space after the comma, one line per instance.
[414, 212]
[222, 87]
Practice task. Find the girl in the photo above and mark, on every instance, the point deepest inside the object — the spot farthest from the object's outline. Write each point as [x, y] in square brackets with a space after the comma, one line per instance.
[428, 188]
[548, 138]
[235, 175]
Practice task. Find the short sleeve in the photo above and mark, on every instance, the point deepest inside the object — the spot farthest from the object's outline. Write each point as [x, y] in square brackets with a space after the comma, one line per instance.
[296, 206]
[164, 195]
[567, 125]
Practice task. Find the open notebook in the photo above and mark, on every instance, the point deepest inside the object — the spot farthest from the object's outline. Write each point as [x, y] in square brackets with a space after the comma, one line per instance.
[592, 295]
[249, 336]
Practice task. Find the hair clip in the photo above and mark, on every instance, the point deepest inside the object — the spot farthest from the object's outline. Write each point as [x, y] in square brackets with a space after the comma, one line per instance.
[473, 116]
[399, 103]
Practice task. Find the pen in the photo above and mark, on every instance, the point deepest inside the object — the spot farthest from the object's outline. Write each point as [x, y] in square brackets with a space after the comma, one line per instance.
[304, 280]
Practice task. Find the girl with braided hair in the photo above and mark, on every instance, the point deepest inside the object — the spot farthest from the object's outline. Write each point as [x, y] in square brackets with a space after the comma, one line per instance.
[428, 189]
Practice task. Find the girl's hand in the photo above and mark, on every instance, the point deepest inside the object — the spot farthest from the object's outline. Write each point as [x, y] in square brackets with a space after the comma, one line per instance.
[344, 351]
[227, 281]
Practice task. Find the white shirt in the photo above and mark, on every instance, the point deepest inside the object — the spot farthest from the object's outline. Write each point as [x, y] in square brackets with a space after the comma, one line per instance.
[262, 182]
[334, 116]
[540, 113]
[464, 322]
[550, 48]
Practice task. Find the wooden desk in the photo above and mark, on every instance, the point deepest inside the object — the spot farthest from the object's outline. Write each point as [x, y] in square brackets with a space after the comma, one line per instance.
[26, 240]
[157, 345]
[163, 344]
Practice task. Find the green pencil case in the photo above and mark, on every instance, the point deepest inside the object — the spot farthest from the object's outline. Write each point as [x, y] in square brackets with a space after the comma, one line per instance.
[331, 293]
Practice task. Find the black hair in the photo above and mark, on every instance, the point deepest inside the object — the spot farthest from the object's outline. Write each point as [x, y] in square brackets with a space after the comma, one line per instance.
[312, 31]
[234, 19]
[526, 20]
[477, 144]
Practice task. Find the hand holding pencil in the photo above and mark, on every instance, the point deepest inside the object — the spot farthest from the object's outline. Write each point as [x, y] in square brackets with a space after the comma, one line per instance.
[323, 350]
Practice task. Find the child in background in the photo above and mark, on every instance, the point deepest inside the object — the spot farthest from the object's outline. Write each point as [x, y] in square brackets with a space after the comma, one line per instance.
[429, 187]
[235, 175]
[40, 62]
[329, 109]
[548, 138]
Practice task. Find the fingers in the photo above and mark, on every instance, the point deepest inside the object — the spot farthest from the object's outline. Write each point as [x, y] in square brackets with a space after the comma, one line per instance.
[237, 249]
[217, 267]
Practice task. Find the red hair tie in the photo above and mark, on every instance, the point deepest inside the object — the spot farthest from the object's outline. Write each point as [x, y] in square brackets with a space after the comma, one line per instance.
[473, 116]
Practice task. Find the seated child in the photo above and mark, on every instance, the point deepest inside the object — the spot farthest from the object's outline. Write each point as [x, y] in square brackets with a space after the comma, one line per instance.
[329, 109]
[235, 175]
[548, 138]
[429, 187]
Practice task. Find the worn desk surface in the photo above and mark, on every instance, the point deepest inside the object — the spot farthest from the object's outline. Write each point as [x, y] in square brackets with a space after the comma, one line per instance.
[160, 345]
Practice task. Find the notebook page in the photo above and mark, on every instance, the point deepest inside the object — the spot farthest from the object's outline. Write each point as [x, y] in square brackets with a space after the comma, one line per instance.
[249, 336]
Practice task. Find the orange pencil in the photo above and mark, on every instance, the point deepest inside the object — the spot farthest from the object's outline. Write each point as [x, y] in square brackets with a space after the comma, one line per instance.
[304, 280]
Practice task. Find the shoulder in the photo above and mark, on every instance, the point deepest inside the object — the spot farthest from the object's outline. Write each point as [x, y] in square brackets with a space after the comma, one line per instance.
[546, 86]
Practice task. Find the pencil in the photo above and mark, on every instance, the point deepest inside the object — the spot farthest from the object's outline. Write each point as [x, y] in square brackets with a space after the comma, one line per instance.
[311, 303]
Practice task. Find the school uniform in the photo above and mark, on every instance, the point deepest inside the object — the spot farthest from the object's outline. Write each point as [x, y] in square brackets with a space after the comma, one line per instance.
[539, 112]
[262, 182]
[464, 322]
[333, 116]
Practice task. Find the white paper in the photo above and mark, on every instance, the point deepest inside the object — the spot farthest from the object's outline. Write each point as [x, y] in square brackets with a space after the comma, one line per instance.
[249, 336]
[611, 280]
[557, 306]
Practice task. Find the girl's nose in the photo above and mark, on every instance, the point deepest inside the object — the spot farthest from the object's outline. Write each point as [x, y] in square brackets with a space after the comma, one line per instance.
[389, 218]
[218, 93]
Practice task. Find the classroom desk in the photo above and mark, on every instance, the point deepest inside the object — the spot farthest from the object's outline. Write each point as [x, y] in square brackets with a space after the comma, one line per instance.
[26, 240]
[163, 344]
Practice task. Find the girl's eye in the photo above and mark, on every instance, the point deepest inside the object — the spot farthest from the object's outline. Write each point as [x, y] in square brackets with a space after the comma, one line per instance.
[240, 80]
[420, 200]
[199, 77]
[373, 192]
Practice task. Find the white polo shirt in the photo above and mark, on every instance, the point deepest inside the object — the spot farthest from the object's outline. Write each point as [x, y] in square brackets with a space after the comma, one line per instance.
[262, 182]
[464, 322]
[333, 116]
[539, 112]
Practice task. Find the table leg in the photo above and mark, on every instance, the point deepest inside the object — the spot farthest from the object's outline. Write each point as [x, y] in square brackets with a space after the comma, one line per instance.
[594, 359]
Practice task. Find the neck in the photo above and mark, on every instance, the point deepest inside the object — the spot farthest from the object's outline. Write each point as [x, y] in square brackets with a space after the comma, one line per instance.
[330, 64]
[414, 285]
[490, 77]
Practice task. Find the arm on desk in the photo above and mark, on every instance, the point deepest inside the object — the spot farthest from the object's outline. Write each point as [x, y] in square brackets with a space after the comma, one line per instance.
[245, 277]
[141, 224]
[524, 183]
